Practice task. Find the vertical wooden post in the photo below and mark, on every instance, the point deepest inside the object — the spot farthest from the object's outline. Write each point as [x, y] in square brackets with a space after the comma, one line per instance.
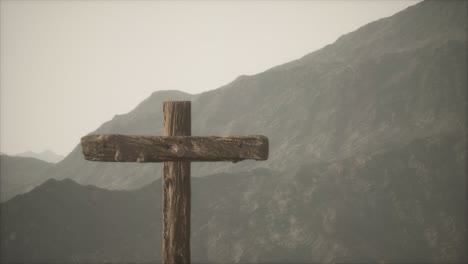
[176, 189]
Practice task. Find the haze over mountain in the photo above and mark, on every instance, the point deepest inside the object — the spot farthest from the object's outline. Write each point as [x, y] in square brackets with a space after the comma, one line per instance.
[389, 82]
[47, 155]
[20, 174]
[389, 206]
[367, 162]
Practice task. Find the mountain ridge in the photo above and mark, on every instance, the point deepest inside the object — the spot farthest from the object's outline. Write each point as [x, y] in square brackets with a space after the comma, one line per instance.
[369, 208]
[20, 174]
[288, 102]
[367, 162]
[46, 155]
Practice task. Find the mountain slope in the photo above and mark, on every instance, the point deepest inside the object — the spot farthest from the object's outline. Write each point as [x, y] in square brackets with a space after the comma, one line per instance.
[68, 223]
[367, 162]
[47, 156]
[20, 175]
[388, 206]
[387, 83]
[143, 120]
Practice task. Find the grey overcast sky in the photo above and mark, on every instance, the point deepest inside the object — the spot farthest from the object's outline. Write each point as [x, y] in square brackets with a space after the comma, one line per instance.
[68, 66]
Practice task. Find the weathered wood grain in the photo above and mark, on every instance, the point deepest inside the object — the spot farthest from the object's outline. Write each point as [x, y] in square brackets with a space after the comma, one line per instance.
[173, 148]
[176, 148]
[176, 189]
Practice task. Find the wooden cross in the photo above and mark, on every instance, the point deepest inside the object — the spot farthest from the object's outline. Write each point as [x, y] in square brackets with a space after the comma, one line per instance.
[176, 148]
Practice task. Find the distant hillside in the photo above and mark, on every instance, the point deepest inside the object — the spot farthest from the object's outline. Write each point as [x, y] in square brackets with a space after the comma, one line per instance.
[386, 84]
[368, 151]
[20, 174]
[47, 156]
[145, 119]
[404, 205]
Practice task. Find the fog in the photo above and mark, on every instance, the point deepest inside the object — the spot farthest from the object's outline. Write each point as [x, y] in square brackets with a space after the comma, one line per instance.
[69, 66]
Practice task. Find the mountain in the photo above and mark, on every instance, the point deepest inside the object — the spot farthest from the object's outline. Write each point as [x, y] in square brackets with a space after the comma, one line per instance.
[390, 82]
[395, 205]
[145, 119]
[368, 142]
[47, 156]
[20, 175]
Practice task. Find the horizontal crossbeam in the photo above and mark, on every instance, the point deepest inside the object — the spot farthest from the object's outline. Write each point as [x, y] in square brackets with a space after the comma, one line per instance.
[122, 148]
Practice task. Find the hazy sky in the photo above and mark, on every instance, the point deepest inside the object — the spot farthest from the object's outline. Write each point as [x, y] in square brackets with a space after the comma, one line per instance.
[68, 66]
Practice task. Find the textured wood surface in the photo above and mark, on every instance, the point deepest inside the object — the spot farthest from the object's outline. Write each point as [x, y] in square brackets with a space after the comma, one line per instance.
[176, 189]
[177, 148]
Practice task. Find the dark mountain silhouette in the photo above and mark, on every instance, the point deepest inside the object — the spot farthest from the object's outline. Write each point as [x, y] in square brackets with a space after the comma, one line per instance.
[401, 205]
[367, 162]
[20, 174]
[47, 155]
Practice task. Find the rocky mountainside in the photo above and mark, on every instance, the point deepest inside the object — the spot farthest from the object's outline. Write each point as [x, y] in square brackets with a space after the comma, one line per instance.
[407, 204]
[47, 156]
[367, 162]
[20, 174]
[389, 82]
